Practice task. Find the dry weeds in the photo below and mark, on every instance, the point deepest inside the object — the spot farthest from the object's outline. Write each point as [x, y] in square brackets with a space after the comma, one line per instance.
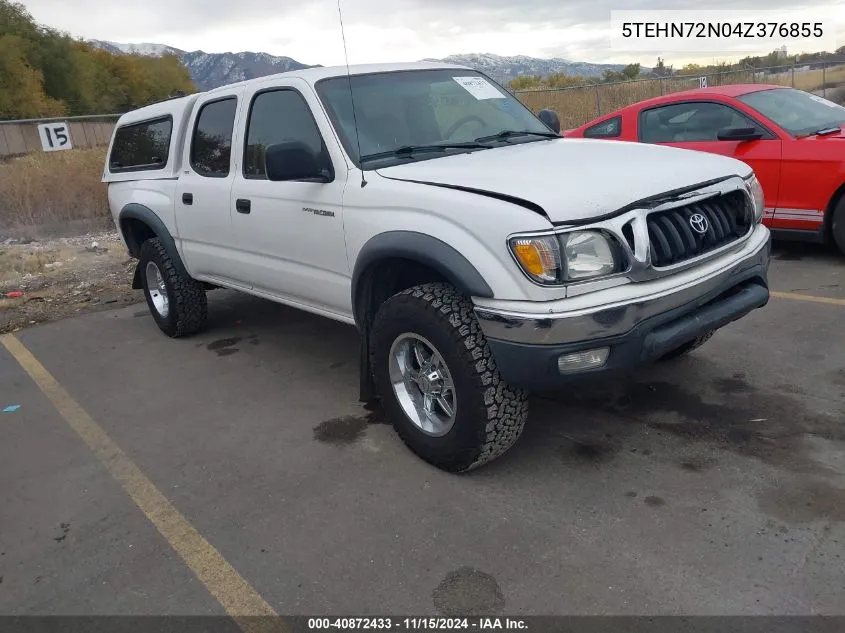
[53, 194]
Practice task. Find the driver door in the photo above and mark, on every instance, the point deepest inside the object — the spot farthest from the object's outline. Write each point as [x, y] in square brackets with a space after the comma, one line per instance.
[290, 233]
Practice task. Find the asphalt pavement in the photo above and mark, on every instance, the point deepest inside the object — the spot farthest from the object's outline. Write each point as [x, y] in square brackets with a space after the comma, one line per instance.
[236, 467]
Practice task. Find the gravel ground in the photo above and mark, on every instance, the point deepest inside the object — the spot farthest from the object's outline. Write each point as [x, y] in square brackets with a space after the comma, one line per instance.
[61, 277]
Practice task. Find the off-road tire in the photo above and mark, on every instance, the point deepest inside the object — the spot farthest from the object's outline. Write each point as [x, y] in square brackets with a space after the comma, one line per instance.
[688, 347]
[837, 225]
[490, 415]
[188, 308]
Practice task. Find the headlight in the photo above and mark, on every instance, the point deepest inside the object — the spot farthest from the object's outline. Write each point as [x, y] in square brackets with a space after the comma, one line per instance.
[756, 191]
[588, 254]
[574, 256]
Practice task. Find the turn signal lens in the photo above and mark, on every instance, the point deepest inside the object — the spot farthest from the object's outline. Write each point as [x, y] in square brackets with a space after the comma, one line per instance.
[539, 257]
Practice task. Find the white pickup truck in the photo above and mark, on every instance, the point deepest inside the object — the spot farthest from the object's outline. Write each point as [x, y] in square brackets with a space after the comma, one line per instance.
[480, 255]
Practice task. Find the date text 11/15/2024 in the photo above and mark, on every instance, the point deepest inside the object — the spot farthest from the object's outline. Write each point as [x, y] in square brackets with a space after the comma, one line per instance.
[416, 624]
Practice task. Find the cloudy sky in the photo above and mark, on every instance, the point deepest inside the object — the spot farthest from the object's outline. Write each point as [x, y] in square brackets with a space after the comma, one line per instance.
[409, 30]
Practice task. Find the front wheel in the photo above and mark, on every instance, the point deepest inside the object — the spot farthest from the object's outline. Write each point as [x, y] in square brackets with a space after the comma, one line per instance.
[438, 380]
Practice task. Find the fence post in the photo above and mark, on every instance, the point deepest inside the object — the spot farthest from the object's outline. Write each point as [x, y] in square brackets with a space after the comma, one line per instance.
[598, 101]
[824, 80]
[660, 83]
[793, 71]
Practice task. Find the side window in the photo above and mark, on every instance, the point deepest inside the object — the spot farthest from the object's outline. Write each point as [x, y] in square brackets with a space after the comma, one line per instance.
[606, 129]
[211, 146]
[684, 122]
[278, 116]
[141, 146]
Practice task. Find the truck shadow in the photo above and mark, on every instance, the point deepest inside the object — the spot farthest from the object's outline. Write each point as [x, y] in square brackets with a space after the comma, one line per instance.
[699, 399]
[802, 251]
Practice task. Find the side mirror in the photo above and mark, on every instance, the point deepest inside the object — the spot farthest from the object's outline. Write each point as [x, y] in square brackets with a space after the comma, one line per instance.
[296, 161]
[739, 134]
[550, 118]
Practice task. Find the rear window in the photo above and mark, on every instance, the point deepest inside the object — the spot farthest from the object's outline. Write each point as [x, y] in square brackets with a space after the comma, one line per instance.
[141, 146]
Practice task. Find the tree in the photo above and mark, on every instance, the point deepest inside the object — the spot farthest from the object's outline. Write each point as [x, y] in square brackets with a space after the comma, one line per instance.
[45, 72]
[524, 82]
[629, 72]
[23, 90]
[562, 80]
[661, 69]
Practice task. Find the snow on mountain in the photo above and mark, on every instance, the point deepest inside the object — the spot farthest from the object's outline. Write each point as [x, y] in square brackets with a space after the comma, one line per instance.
[209, 70]
[144, 48]
[503, 69]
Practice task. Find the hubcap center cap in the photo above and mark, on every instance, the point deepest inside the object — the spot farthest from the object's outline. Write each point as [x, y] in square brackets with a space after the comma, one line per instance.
[430, 381]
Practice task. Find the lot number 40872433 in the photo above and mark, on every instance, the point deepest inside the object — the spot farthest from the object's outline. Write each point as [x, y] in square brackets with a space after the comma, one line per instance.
[54, 136]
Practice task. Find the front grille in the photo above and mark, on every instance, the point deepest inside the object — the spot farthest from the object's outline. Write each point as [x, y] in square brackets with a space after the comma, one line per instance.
[682, 233]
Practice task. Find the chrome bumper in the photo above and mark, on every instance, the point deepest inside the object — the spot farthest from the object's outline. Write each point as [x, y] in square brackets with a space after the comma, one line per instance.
[615, 311]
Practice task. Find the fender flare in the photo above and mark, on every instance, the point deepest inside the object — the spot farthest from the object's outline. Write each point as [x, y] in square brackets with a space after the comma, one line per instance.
[422, 248]
[135, 211]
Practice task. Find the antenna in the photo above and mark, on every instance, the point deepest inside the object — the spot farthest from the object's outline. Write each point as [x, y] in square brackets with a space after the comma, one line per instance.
[351, 97]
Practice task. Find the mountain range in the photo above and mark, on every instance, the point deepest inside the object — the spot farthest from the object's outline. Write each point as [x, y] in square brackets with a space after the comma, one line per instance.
[209, 70]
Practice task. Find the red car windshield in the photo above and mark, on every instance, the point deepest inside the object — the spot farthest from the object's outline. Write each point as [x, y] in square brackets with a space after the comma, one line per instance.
[799, 113]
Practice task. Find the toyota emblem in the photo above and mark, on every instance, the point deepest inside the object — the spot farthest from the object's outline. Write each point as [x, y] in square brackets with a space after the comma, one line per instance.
[699, 223]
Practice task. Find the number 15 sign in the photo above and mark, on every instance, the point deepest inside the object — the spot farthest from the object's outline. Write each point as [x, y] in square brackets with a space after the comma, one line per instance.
[54, 136]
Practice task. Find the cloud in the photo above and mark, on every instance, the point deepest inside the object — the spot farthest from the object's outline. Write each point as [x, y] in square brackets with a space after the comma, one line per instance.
[376, 30]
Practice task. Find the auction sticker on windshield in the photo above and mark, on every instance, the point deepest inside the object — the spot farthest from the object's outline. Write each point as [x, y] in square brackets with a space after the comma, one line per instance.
[479, 87]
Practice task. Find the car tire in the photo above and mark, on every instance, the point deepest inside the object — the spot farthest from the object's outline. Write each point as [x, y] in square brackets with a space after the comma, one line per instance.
[688, 347]
[488, 415]
[176, 301]
[837, 225]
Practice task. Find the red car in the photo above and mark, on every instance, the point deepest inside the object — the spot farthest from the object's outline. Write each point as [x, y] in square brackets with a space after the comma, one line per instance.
[792, 139]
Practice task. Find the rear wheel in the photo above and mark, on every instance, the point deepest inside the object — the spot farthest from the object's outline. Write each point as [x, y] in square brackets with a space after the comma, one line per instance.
[837, 225]
[176, 301]
[438, 380]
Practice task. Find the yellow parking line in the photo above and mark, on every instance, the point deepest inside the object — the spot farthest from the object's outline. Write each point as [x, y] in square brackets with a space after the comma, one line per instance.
[234, 593]
[812, 298]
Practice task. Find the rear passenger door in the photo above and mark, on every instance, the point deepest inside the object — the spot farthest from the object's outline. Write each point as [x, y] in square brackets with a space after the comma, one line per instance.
[291, 232]
[203, 215]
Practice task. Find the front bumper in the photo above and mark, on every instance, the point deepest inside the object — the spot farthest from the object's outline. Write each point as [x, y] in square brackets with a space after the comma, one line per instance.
[639, 322]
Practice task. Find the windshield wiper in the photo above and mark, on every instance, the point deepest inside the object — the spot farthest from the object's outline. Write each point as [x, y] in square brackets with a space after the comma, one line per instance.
[410, 150]
[827, 130]
[506, 134]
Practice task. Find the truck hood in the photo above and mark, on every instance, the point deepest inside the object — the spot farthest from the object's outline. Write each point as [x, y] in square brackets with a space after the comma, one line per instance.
[572, 180]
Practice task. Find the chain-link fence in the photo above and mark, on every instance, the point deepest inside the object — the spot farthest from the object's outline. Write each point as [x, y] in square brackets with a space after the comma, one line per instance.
[578, 104]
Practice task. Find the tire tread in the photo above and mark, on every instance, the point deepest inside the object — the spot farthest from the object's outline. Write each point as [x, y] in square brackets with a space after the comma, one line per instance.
[505, 409]
[188, 300]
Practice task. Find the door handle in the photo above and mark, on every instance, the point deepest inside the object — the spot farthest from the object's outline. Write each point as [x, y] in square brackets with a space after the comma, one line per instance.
[187, 198]
[242, 205]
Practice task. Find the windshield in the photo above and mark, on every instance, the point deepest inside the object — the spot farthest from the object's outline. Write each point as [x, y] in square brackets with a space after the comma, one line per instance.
[797, 112]
[422, 108]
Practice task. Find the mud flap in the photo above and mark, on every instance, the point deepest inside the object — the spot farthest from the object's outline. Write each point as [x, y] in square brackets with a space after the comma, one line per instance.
[136, 277]
[367, 389]
[367, 384]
